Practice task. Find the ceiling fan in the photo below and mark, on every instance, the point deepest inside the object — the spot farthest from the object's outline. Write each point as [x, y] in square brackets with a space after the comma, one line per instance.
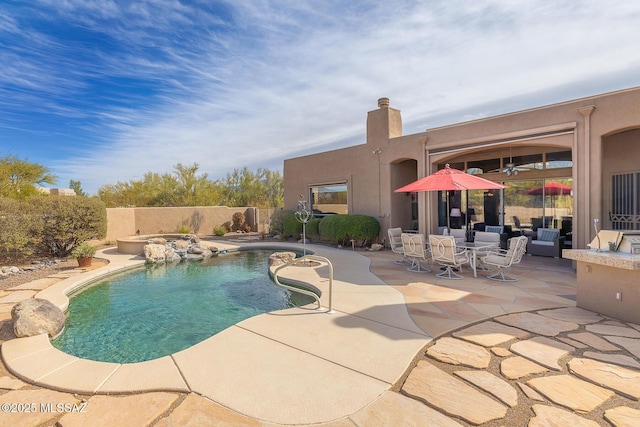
[510, 168]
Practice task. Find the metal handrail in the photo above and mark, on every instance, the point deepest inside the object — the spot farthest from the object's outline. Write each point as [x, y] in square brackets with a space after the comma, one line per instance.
[305, 291]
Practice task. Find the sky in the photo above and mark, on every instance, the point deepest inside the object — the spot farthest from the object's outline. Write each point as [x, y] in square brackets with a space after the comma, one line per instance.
[103, 91]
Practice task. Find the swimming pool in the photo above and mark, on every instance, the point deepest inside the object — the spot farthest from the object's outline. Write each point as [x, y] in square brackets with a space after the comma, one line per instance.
[162, 309]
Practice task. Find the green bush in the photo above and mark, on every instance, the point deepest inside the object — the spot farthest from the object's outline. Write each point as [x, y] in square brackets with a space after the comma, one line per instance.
[342, 229]
[20, 229]
[83, 250]
[219, 230]
[292, 227]
[183, 229]
[276, 225]
[313, 230]
[68, 221]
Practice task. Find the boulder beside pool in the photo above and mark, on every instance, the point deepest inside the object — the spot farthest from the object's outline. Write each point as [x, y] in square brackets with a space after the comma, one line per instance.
[35, 316]
[278, 258]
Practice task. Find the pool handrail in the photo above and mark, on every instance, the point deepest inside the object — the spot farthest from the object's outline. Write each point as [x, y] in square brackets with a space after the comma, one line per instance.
[305, 291]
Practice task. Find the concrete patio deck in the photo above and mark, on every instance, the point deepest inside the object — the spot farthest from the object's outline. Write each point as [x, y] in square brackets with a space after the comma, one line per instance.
[363, 364]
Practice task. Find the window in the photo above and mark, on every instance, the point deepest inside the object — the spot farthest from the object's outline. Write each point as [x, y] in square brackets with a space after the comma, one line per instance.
[559, 159]
[329, 199]
[483, 166]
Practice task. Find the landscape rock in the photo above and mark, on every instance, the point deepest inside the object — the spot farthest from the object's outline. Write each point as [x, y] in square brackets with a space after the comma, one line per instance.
[279, 258]
[197, 250]
[181, 244]
[36, 316]
[171, 255]
[155, 253]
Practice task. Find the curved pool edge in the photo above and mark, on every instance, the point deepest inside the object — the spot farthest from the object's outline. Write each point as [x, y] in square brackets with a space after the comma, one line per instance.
[339, 374]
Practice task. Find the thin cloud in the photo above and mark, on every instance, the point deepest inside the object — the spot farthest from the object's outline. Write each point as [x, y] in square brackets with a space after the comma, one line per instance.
[240, 83]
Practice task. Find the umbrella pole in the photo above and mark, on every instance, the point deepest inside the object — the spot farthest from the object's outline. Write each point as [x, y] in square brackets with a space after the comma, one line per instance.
[448, 213]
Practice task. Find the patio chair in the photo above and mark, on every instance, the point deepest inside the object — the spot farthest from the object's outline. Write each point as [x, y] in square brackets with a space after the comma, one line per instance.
[395, 242]
[458, 233]
[488, 238]
[415, 250]
[503, 260]
[445, 253]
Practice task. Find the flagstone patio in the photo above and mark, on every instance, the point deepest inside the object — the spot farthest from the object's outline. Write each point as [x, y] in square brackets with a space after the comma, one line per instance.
[402, 348]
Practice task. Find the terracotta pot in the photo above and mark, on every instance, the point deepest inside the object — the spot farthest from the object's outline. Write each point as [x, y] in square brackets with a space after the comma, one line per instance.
[85, 262]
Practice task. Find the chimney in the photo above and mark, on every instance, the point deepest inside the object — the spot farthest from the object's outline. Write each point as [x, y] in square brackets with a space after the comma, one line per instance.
[383, 102]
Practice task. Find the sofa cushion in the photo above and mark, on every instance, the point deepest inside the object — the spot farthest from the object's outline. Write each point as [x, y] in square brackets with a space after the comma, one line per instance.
[548, 234]
[543, 242]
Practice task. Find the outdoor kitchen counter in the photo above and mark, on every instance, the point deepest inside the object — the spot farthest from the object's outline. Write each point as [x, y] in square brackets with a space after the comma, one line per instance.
[621, 260]
[607, 282]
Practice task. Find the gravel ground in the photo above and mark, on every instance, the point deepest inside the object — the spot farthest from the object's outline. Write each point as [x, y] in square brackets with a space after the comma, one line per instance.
[40, 272]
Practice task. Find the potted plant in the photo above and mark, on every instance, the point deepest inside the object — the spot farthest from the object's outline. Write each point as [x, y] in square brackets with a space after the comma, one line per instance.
[84, 253]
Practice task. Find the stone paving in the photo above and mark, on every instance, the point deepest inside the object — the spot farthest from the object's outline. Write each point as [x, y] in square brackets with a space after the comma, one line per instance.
[516, 354]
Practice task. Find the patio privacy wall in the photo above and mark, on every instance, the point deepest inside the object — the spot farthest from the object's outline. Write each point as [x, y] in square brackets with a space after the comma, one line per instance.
[123, 222]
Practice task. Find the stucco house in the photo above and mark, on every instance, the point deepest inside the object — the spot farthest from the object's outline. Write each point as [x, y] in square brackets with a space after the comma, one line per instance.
[564, 165]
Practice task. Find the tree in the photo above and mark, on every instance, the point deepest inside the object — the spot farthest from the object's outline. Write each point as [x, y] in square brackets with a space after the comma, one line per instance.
[77, 187]
[18, 178]
[69, 221]
[263, 188]
[193, 189]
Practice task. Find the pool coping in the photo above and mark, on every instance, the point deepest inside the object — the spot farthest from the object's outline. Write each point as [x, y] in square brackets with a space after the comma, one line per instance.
[309, 345]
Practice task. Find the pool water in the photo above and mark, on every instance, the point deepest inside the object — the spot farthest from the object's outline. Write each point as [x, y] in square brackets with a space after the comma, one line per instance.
[161, 309]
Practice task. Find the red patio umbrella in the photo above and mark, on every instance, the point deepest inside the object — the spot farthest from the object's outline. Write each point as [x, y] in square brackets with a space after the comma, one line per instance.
[449, 179]
[551, 188]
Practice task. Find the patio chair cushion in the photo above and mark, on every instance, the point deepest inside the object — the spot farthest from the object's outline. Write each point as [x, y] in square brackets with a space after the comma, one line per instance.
[494, 229]
[547, 234]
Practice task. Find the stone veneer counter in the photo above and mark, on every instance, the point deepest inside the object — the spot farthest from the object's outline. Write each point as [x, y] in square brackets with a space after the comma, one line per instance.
[625, 261]
[607, 282]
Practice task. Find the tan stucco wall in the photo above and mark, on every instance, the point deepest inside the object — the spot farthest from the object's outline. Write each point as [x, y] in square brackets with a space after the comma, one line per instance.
[598, 286]
[582, 126]
[123, 222]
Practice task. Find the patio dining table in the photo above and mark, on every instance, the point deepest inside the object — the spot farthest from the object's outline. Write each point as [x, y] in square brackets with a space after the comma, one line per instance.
[472, 248]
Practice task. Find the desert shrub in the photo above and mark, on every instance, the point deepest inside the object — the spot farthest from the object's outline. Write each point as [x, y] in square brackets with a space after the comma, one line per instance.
[343, 228]
[238, 220]
[219, 230]
[183, 229]
[313, 230]
[68, 221]
[20, 229]
[196, 221]
[292, 227]
[276, 225]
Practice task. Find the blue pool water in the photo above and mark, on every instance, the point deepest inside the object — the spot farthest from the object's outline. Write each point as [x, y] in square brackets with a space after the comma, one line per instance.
[161, 309]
